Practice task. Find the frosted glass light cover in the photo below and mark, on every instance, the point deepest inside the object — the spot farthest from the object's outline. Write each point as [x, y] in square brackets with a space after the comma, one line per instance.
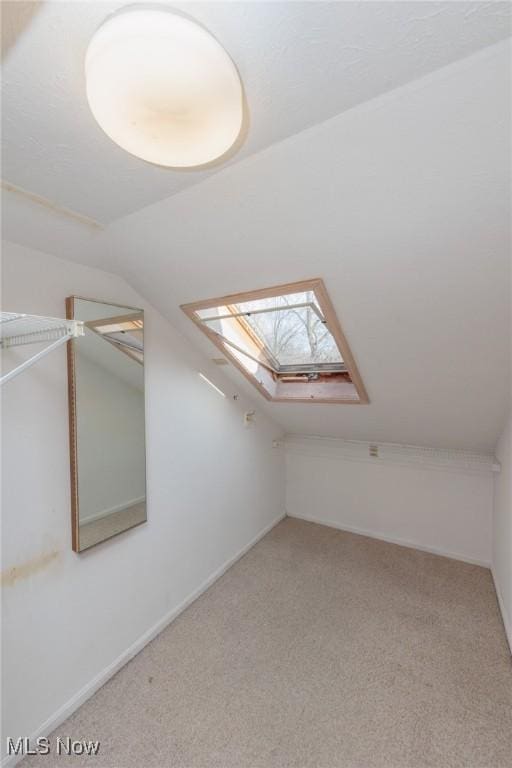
[163, 88]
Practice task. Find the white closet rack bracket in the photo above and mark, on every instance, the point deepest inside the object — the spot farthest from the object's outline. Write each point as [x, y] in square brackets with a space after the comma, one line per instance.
[18, 329]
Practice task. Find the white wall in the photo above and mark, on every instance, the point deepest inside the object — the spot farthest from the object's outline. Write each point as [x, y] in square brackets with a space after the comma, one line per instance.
[502, 528]
[440, 501]
[213, 487]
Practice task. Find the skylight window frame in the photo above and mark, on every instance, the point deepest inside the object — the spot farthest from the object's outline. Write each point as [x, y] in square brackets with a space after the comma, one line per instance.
[271, 362]
[126, 323]
[274, 364]
[283, 308]
[269, 383]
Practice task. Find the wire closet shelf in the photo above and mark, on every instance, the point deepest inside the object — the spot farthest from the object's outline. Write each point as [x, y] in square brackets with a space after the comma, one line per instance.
[18, 329]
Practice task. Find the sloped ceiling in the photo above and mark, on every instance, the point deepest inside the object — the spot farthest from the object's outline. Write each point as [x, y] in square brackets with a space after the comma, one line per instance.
[300, 62]
[401, 204]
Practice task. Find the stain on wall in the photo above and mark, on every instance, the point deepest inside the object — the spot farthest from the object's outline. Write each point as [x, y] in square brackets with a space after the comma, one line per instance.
[17, 573]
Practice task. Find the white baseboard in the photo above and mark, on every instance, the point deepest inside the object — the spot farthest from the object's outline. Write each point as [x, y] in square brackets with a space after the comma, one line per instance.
[88, 690]
[507, 623]
[393, 540]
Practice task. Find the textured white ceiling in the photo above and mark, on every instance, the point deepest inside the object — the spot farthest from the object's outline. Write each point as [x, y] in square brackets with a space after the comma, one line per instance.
[301, 63]
[402, 206]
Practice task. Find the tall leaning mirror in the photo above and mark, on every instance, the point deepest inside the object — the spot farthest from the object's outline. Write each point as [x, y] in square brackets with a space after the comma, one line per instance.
[106, 418]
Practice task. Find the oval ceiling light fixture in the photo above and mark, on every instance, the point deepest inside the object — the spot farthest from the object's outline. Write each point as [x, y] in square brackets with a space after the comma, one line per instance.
[162, 87]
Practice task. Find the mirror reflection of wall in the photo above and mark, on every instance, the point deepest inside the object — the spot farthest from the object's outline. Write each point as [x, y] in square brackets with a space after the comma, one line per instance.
[106, 369]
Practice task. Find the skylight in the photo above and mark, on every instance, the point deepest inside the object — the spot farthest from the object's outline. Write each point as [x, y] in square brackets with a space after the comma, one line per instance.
[125, 332]
[286, 340]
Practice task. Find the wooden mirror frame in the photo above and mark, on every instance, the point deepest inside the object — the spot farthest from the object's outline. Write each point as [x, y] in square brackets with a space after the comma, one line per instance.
[72, 411]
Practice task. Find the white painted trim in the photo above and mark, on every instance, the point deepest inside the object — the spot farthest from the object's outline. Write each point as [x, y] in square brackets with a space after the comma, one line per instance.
[443, 459]
[106, 512]
[90, 688]
[39, 200]
[393, 540]
[507, 623]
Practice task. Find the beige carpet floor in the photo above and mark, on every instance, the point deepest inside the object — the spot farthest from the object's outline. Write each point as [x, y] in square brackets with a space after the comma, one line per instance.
[318, 648]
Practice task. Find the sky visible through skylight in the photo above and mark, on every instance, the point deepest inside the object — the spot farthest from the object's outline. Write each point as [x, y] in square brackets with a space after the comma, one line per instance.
[286, 330]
